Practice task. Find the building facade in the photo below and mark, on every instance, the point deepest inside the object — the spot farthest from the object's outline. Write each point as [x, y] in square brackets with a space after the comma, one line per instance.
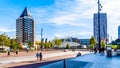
[103, 26]
[25, 28]
[72, 42]
[85, 41]
[118, 31]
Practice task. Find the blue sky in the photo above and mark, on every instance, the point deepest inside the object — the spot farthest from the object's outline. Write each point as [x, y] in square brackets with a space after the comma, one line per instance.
[59, 18]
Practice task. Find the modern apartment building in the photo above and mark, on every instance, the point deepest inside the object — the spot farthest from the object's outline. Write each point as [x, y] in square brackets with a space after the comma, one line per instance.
[25, 28]
[103, 26]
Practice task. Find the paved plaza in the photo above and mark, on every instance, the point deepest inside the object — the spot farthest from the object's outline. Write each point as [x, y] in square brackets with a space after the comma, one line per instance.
[87, 60]
[31, 57]
[90, 60]
[100, 61]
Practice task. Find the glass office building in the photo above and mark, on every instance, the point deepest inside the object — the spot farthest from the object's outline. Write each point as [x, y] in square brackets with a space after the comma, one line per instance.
[103, 26]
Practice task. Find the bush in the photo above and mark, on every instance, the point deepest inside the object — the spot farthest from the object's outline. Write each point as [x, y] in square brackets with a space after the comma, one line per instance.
[67, 46]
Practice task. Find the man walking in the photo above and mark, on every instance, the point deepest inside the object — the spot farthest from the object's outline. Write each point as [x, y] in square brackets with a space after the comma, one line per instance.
[40, 56]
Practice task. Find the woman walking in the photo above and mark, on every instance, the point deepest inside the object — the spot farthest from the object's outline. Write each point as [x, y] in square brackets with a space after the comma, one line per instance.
[37, 55]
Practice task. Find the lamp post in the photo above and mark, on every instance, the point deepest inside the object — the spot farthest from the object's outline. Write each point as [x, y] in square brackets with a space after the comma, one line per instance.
[99, 37]
[64, 62]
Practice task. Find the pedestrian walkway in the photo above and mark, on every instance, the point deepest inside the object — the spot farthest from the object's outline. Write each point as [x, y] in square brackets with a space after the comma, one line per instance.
[90, 60]
[100, 61]
[9, 60]
[13, 54]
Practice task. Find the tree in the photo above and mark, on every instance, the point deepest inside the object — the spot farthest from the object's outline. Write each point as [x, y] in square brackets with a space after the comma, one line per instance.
[102, 43]
[92, 42]
[37, 42]
[114, 46]
[48, 45]
[42, 43]
[30, 44]
[51, 44]
[57, 41]
[38, 45]
[14, 45]
[67, 46]
[4, 40]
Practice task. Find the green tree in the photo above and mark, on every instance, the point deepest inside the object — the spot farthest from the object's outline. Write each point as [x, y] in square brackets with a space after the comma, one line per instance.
[14, 45]
[92, 42]
[30, 44]
[67, 46]
[42, 43]
[114, 46]
[4, 40]
[102, 43]
[51, 44]
[57, 41]
[38, 45]
[48, 45]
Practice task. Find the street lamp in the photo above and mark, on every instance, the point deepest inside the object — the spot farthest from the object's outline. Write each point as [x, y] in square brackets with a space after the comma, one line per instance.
[99, 37]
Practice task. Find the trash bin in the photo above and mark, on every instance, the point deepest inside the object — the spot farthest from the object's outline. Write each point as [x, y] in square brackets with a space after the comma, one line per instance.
[109, 51]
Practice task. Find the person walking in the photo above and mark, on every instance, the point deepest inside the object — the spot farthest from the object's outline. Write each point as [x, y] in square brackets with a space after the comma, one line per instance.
[95, 50]
[16, 52]
[79, 54]
[102, 50]
[40, 56]
[8, 53]
[37, 55]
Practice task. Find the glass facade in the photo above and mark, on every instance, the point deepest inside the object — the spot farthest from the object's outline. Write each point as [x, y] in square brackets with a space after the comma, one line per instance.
[118, 31]
[103, 26]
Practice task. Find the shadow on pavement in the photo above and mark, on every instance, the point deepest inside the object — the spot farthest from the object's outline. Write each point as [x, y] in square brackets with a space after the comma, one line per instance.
[35, 65]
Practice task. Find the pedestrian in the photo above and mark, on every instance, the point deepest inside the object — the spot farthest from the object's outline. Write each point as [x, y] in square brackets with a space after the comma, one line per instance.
[37, 55]
[8, 53]
[16, 52]
[27, 50]
[102, 50]
[40, 56]
[95, 50]
[79, 54]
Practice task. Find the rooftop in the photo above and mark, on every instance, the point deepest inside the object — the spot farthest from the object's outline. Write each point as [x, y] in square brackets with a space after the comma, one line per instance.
[25, 13]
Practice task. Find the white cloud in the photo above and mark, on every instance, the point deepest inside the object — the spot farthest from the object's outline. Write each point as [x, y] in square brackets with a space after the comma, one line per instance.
[79, 13]
[111, 7]
[79, 33]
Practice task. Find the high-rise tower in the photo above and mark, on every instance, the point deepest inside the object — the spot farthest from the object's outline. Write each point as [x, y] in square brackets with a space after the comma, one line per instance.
[103, 26]
[25, 28]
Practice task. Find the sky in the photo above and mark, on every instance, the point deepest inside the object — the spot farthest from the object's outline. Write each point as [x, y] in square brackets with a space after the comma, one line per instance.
[60, 18]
